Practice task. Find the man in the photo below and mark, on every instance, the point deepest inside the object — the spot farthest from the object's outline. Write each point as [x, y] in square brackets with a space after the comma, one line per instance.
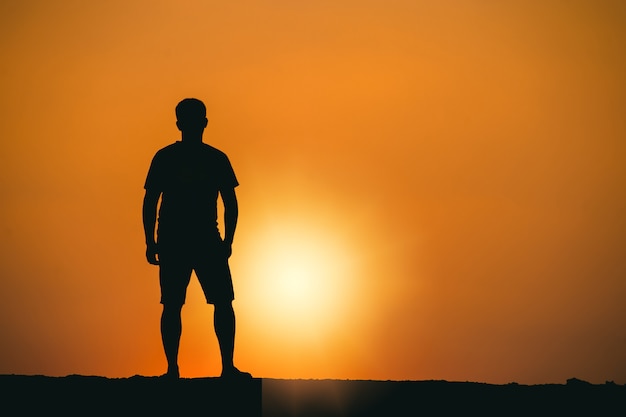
[188, 176]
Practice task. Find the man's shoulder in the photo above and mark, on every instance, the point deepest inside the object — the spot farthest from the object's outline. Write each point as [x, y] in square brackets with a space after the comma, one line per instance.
[213, 151]
[180, 146]
[180, 152]
[166, 151]
[169, 148]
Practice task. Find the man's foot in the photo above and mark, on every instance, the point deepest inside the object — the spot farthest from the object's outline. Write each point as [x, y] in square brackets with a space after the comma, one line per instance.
[171, 375]
[234, 373]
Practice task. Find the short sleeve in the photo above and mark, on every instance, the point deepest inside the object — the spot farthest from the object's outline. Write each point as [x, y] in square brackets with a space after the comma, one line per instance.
[154, 179]
[228, 179]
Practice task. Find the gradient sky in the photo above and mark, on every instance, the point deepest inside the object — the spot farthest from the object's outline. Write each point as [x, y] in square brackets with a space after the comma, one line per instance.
[429, 189]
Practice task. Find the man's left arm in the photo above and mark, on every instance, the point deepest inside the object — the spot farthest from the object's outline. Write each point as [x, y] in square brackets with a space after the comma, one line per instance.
[231, 214]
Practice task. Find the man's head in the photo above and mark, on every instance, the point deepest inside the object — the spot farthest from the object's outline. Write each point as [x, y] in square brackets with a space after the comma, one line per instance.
[191, 116]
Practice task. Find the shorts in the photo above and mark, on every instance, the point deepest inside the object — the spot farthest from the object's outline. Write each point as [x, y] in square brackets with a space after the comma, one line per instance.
[207, 259]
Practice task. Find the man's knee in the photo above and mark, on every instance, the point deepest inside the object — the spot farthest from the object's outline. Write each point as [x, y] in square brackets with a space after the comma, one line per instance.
[223, 306]
[171, 309]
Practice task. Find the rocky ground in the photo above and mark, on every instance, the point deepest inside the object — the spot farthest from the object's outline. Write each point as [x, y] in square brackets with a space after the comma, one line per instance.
[90, 395]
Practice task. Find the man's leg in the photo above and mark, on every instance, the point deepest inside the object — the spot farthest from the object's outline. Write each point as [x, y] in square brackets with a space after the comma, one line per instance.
[171, 329]
[224, 322]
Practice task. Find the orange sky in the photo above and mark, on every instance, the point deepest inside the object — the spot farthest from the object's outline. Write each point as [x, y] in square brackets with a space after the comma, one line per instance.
[429, 189]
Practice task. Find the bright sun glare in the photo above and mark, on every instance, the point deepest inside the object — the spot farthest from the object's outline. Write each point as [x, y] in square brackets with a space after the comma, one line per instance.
[300, 281]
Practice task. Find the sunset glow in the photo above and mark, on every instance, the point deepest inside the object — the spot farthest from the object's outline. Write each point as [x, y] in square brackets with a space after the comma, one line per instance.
[428, 189]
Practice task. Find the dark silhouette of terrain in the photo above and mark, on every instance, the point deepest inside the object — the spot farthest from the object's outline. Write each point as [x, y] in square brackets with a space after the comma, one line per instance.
[136, 396]
[87, 395]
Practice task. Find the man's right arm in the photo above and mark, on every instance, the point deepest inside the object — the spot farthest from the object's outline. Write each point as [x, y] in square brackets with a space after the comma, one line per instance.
[150, 202]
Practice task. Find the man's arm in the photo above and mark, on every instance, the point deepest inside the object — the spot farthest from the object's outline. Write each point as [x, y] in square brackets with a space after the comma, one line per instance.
[150, 202]
[231, 214]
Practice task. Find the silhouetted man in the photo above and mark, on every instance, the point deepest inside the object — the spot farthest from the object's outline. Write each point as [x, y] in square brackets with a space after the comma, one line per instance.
[188, 176]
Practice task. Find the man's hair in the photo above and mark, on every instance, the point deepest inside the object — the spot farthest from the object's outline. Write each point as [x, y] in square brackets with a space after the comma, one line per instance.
[190, 109]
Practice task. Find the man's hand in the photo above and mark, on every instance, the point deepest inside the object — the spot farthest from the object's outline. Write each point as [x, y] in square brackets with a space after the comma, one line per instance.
[151, 254]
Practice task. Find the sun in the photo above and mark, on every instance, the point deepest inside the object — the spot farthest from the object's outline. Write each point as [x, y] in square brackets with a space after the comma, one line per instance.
[298, 281]
[296, 271]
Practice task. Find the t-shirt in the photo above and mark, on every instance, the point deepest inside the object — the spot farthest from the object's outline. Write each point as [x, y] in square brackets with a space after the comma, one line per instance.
[189, 176]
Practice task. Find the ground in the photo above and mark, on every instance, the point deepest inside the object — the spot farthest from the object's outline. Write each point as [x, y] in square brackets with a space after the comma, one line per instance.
[80, 395]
